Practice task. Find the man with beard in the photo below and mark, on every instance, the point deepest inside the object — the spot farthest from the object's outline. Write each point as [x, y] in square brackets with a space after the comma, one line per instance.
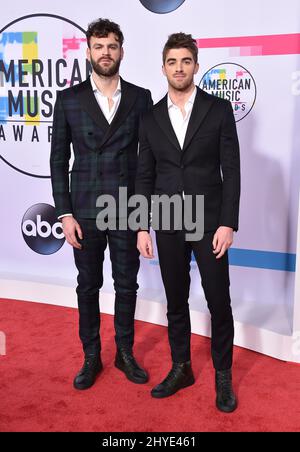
[189, 146]
[100, 118]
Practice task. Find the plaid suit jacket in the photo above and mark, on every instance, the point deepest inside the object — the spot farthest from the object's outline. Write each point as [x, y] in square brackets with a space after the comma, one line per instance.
[105, 155]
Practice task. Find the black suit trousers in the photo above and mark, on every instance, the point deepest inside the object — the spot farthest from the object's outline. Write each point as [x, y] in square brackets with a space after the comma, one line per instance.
[125, 262]
[174, 258]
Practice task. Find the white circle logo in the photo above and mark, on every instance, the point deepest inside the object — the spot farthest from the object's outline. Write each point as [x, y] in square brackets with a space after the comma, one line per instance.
[232, 82]
[41, 230]
[39, 55]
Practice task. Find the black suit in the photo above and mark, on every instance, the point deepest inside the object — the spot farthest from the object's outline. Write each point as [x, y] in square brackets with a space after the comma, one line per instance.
[105, 159]
[208, 164]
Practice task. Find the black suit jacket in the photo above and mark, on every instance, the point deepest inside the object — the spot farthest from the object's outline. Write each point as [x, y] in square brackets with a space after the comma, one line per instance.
[105, 155]
[208, 164]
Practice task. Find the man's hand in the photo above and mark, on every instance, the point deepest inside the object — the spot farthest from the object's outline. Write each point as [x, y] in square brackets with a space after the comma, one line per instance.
[144, 244]
[223, 240]
[70, 227]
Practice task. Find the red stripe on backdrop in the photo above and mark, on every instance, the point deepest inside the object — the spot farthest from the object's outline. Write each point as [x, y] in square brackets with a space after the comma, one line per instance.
[285, 44]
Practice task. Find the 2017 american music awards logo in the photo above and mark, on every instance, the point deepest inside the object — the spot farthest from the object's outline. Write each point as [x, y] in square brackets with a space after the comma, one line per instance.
[39, 55]
[233, 82]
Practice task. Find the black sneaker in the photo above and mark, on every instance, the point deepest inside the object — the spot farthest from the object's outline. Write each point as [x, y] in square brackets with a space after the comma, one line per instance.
[226, 399]
[180, 376]
[91, 368]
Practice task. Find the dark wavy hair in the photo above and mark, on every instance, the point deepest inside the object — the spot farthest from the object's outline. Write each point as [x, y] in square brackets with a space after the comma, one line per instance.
[179, 41]
[101, 28]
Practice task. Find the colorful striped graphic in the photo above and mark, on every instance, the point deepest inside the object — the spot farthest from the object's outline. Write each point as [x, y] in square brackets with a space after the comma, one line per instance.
[29, 42]
[71, 44]
[30, 52]
[286, 44]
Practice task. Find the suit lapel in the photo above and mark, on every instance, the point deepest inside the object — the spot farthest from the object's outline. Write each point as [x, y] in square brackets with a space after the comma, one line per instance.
[128, 98]
[89, 103]
[162, 118]
[201, 106]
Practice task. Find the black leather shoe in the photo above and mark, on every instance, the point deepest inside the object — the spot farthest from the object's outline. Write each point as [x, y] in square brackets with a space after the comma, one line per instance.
[86, 377]
[126, 363]
[226, 400]
[180, 376]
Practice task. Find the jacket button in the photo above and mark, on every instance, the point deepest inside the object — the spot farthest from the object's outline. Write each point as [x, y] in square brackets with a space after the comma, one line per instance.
[182, 166]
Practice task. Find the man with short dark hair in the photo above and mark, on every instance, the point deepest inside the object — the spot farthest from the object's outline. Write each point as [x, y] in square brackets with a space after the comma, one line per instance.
[100, 117]
[189, 146]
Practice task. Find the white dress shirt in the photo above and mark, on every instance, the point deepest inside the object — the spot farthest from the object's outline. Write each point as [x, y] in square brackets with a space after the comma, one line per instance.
[180, 123]
[103, 100]
[104, 105]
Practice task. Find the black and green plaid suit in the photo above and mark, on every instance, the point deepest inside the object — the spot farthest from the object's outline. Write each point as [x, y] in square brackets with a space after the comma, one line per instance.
[105, 158]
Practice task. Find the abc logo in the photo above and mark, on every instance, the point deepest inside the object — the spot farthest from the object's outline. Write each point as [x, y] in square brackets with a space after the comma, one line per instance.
[41, 230]
[162, 6]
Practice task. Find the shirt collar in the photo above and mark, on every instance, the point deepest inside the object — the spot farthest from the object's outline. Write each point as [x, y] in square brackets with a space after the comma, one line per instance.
[94, 86]
[191, 99]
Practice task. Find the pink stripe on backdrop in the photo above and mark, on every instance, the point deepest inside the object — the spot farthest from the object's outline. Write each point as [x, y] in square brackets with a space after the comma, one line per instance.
[256, 45]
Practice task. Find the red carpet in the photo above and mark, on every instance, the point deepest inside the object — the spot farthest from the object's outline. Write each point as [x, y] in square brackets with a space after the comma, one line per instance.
[44, 353]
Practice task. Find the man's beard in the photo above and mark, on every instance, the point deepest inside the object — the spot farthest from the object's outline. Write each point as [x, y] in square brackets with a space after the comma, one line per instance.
[106, 72]
[183, 87]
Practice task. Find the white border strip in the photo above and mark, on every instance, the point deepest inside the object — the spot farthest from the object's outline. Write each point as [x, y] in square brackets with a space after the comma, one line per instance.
[296, 321]
[296, 327]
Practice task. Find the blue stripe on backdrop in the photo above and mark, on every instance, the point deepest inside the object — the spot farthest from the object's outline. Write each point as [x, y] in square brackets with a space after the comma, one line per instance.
[270, 260]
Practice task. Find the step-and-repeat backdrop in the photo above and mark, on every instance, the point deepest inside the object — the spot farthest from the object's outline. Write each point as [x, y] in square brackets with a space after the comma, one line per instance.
[248, 53]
